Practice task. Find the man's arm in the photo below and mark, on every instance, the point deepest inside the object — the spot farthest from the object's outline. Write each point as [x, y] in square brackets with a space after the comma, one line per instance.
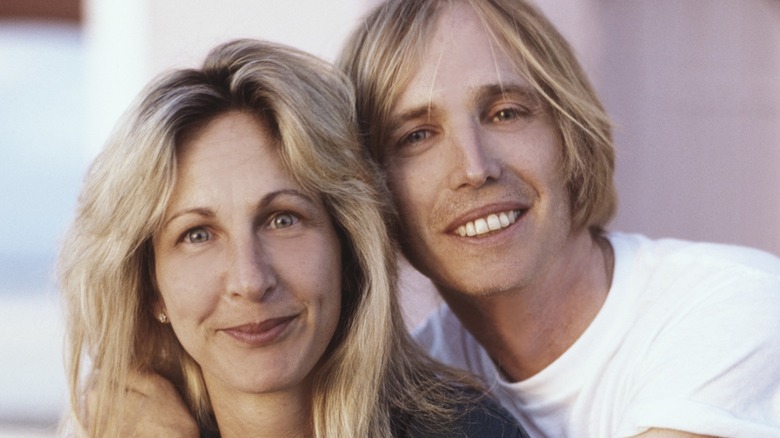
[154, 409]
[667, 433]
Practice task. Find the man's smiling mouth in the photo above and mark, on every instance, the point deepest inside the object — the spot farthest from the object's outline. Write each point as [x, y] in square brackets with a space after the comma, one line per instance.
[491, 222]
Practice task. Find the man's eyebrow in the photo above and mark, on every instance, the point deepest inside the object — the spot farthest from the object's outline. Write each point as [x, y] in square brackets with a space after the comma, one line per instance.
[426, 110]
[522, 91]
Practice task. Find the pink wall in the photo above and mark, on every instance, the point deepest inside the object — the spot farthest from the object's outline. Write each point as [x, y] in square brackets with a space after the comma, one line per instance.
[694, 87]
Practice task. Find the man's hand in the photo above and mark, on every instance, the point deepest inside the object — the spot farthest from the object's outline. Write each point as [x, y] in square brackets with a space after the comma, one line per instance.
[154, 409]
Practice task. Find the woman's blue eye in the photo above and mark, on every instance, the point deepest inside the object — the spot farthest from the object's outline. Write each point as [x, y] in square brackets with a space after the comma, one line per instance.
[283, 220]
[198, 235]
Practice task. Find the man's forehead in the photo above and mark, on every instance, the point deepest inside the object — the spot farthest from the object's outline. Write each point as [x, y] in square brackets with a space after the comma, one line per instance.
[474, 71]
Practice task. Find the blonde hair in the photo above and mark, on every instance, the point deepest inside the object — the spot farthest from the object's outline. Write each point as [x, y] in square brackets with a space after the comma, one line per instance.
[372, 373]
[384, 52]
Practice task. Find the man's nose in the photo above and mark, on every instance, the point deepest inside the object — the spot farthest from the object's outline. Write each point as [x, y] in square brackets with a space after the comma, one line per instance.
[473, 162]
[251, 272]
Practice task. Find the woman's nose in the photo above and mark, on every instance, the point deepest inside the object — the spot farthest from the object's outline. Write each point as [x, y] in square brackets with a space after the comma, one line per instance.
[251, 274]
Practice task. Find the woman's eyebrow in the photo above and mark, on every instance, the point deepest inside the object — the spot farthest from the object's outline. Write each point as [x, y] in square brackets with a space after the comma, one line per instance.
[268, 198]
[208, 213]
[200, 211]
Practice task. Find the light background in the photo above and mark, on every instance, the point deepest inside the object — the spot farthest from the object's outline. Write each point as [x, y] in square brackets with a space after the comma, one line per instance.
[693, 85]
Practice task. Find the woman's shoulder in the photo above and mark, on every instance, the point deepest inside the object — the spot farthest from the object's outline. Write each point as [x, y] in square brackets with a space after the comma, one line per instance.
[485, 417]
[476, 414]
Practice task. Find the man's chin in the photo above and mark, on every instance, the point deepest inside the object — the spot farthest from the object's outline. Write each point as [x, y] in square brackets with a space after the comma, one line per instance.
[478, 288]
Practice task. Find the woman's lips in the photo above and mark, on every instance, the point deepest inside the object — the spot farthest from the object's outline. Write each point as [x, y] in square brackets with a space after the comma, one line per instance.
[263, 333]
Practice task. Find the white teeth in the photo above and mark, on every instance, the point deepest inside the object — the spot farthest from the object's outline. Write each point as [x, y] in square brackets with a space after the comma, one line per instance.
[490, 223]
[493, 223]
[504, 219]
[481, 226]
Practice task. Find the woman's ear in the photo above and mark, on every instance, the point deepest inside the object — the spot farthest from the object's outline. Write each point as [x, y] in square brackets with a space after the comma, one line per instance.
[160, 312]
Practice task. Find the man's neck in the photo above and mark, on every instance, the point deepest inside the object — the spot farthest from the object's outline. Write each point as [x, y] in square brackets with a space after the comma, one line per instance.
[525, 330]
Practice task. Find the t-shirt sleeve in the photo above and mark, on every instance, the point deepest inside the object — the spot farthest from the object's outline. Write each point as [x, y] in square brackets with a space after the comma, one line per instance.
[714, 366]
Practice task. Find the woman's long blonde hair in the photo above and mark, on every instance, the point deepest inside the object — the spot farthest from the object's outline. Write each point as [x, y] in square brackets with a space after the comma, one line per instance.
[372, 373]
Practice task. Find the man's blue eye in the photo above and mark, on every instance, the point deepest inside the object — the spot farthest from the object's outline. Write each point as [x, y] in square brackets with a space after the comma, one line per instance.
[416, 136]
[505, 114]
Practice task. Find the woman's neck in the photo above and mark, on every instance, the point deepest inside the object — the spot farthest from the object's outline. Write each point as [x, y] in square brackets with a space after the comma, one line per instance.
[282, 414]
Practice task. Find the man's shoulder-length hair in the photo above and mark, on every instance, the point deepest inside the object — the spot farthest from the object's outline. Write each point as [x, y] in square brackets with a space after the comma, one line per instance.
[382, 54]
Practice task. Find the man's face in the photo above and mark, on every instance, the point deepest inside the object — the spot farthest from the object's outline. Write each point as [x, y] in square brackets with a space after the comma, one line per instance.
[475, 166]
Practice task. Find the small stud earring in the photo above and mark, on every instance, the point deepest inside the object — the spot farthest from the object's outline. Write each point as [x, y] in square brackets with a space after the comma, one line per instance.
[162, 318]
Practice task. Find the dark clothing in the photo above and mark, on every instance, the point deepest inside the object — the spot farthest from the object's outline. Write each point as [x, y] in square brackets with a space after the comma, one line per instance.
[483, 418]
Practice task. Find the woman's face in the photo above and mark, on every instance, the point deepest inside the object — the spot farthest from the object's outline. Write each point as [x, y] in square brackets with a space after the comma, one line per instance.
[248, 266]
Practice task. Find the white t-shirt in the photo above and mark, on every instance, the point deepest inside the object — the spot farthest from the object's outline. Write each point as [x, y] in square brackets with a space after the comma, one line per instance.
[687, 339]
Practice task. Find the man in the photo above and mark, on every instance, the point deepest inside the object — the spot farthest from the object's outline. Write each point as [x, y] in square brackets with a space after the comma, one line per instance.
[500, 160]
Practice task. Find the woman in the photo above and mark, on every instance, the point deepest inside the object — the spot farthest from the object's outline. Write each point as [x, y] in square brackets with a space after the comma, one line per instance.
[231, 238]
